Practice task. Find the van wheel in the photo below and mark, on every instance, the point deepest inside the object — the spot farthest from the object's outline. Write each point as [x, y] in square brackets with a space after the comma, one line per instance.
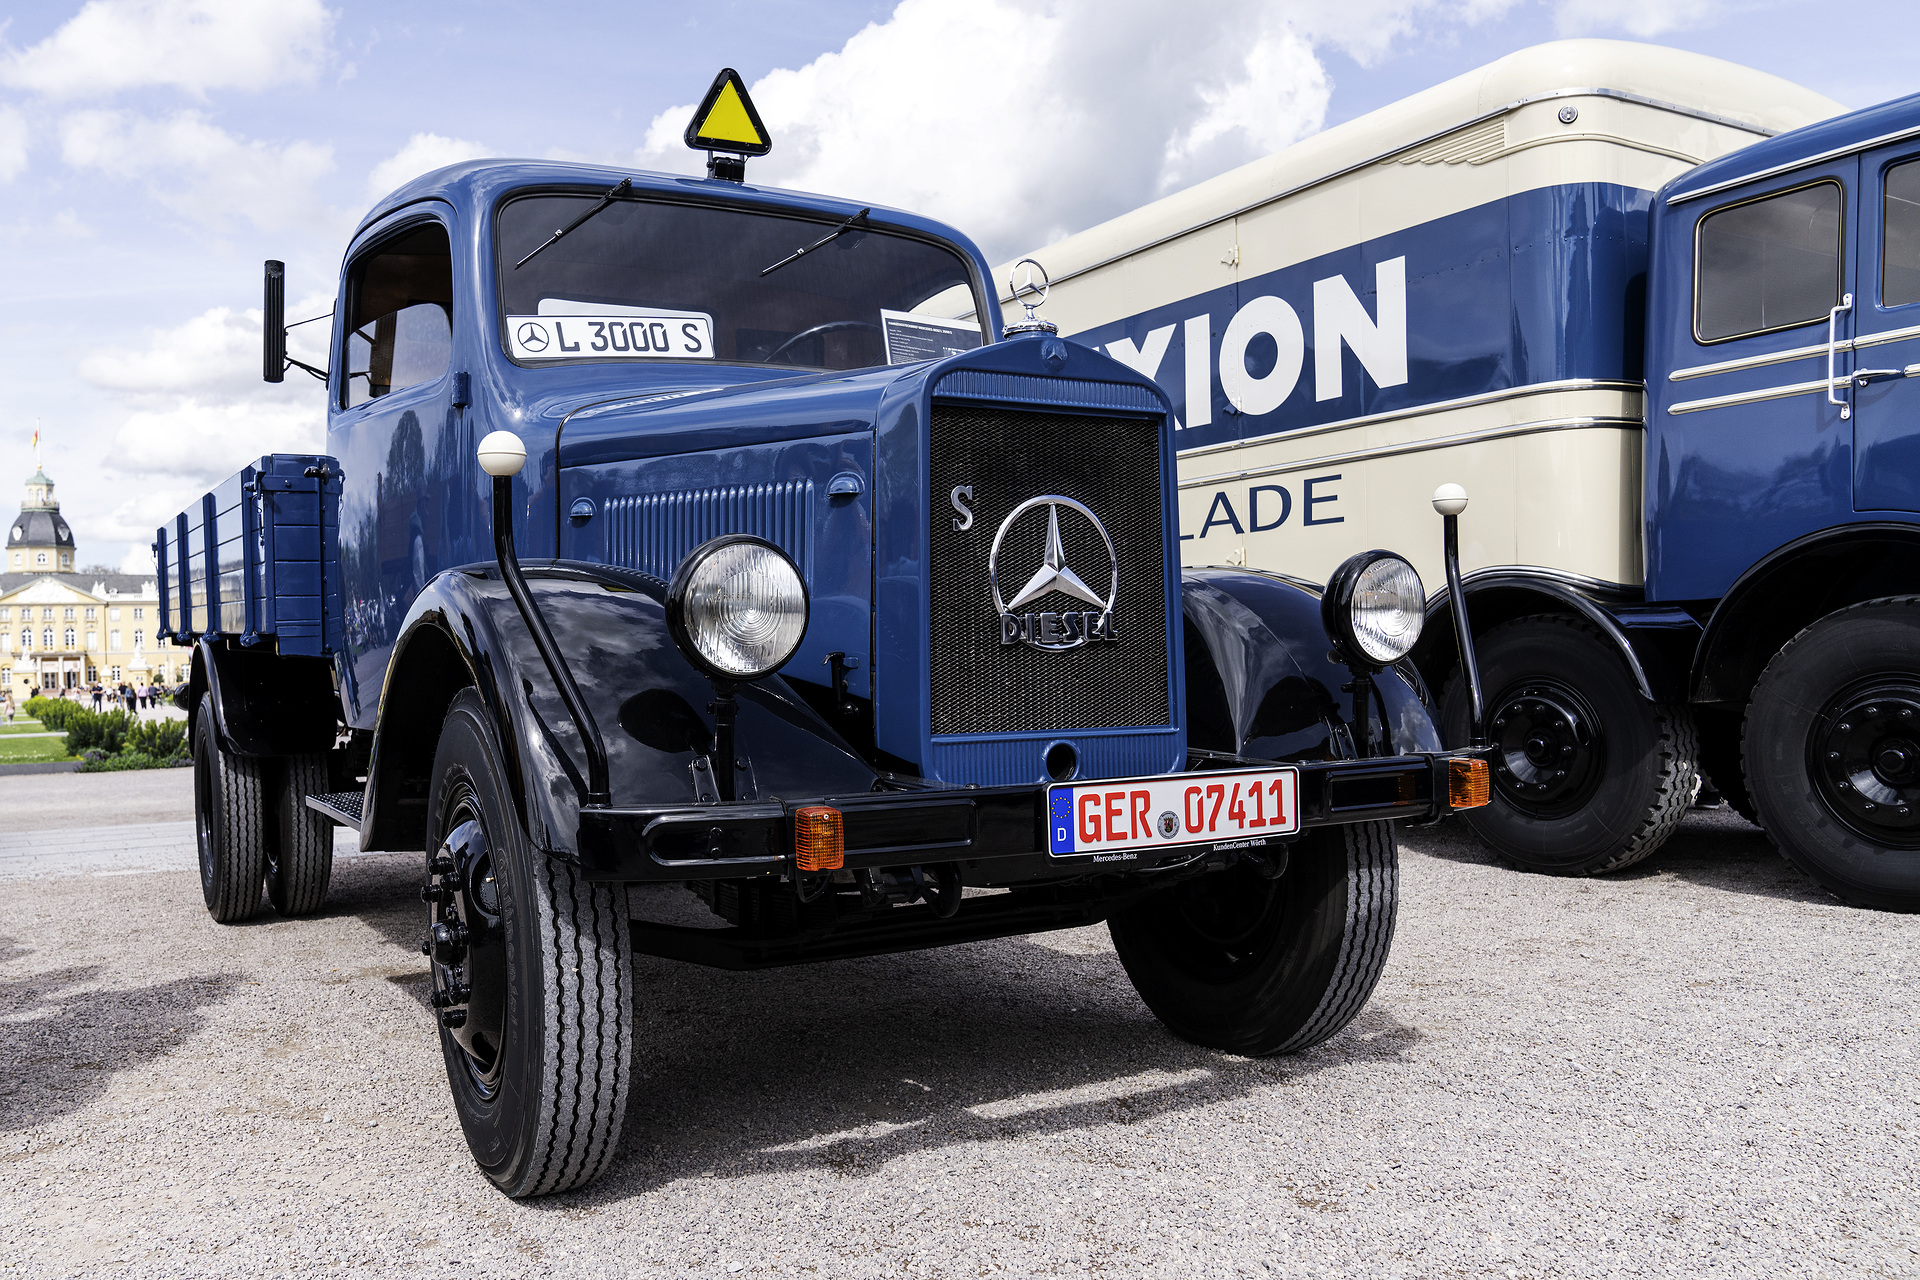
[1832, 749]
[1254, 966]
[1588, 776]
[532, 978]
[300, 861]
[229, 825]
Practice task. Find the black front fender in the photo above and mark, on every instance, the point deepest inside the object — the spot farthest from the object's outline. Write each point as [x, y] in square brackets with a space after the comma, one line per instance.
[1261, 680]
[649, 704]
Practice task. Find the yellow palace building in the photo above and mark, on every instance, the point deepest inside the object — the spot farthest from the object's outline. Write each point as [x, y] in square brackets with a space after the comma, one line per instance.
[60, 626]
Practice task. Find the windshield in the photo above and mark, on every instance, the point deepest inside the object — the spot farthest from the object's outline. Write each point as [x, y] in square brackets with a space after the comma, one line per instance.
[647, 280]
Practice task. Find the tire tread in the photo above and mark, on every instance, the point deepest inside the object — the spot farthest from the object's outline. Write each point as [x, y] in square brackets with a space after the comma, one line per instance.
[1373, 890]
[304, 850]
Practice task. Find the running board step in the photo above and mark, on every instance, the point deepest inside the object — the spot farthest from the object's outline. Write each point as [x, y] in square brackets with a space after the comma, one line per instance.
[342, 806]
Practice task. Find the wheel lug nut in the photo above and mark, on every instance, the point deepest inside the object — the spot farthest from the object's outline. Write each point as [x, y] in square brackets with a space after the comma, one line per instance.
[1846, 728]
[1833, 755]
[453, 1019]
[1867, 805]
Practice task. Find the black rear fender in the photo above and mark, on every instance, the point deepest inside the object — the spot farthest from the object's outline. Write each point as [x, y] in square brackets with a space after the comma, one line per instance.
[1260, 678]
[649, 704]
[262, 704]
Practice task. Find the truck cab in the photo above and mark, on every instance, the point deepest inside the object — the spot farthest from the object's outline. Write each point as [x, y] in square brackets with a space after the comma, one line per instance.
[672, 553]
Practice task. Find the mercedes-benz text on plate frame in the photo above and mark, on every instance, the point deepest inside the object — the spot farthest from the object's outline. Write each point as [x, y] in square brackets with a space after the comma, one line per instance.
[1116, 820]
[1052, 630]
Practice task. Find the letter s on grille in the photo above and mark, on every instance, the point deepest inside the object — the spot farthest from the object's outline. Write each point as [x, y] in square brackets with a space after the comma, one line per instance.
[1110, 464]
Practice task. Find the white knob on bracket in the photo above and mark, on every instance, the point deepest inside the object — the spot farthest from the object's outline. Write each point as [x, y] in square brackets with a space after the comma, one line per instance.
[1448, 499]
[501, 454]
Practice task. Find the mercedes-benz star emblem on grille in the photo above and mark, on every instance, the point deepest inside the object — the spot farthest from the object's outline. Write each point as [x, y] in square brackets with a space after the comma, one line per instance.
[1054, 629]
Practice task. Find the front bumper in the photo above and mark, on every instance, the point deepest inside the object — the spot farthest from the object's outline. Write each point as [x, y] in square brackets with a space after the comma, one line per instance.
[996, 835]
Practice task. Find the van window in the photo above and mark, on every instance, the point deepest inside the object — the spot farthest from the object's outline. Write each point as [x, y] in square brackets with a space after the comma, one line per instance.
[1768, 264]
[1900, 236]
[400, 334]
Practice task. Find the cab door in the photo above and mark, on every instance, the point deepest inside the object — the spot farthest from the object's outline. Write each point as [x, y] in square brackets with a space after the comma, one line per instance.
[1886, 355]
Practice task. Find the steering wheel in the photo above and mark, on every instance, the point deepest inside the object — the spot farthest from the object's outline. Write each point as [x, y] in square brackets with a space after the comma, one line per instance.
[831, 326]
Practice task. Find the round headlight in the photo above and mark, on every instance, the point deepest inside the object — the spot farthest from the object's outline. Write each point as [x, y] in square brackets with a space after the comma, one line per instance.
[737, 607]
[1374, 607]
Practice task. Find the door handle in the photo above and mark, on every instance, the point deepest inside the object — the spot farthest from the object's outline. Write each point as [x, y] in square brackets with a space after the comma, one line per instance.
[1833, 332]
[1861, 377]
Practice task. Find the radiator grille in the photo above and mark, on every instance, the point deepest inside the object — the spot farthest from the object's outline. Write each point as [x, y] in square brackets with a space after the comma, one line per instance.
[653, 532]
[1111, 463]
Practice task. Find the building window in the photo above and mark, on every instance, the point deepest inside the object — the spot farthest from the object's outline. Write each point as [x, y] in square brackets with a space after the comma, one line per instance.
[93, 640]
[68, 616]
[113, 641]
[91, 615]
[139, 637]
[6, 615]
[139, 614]
[39, 557]
[113, 674]
[17, 558]
[26, 638]
[69, 640]
[46, 615]
[66, 559]
[113, 615]
[46, 638]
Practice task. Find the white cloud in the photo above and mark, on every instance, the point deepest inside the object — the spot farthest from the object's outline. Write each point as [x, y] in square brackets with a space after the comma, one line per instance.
[191, 45]
[1099, 105]
[203, 172]
[1642, 18]
[13, 143]
[423, 153]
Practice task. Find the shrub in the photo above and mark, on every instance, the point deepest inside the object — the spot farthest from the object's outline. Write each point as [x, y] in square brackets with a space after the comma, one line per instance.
[105, 730]
[161, 739]
[127, 760]
[54, 713]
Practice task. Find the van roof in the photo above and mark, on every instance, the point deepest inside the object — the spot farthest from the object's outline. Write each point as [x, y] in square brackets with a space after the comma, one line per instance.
[1720, 91]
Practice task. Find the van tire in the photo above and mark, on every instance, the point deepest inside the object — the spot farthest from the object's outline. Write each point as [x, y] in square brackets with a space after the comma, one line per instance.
[553, 952]
[1829, 704]
[1302, 954]
[1632, 770]
[230, 825]
[299, 863]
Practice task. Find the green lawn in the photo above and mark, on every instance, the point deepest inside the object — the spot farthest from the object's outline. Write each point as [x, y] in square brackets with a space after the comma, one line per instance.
[25, 750]
[21, 725]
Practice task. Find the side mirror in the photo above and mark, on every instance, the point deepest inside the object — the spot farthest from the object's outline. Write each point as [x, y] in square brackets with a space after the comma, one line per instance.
[273, 324]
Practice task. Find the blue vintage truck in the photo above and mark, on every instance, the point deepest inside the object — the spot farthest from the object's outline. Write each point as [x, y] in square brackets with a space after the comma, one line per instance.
[1661, 314]
[671, 550]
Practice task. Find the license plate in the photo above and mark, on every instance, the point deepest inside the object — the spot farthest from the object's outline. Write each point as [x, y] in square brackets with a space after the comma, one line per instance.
[1116, 820]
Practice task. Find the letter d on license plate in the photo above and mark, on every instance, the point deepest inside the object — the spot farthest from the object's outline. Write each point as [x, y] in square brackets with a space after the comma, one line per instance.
[1125, 819]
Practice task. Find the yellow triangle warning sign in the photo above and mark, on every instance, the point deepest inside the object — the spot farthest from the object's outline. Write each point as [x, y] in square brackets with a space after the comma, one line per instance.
[726, 120]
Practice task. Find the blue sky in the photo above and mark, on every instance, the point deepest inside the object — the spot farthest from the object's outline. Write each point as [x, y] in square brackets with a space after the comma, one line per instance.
[152, 152]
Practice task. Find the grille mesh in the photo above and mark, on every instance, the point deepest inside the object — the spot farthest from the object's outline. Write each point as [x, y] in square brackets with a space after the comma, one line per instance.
[1110, 463]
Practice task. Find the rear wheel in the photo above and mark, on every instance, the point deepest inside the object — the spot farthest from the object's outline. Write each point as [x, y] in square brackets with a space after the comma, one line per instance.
[1254, 966]
[532, 976]
[230, 825]
[300, 861]
[1588, 776]
[1832, 751]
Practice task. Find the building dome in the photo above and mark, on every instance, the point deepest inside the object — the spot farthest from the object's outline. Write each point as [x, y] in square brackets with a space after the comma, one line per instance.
[40, 528]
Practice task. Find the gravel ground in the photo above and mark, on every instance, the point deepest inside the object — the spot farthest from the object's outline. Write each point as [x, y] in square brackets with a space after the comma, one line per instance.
[1703, 1066]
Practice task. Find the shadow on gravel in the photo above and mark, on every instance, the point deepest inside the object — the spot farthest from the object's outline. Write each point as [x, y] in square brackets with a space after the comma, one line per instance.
[847, 1065]
[66, 1040]
[1714, 848]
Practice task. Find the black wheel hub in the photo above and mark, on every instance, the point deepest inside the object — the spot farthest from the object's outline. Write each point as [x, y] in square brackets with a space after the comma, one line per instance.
[1865, 749]
[467, 945]
[1548, 748]
[1227, 917]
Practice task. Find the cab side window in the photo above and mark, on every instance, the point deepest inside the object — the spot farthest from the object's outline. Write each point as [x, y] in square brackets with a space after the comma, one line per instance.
[400, 330]
[1900, 236]
[1768, 264]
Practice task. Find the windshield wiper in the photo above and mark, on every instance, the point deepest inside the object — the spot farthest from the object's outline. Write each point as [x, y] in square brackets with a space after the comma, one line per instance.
[626, 185]
[832, 235]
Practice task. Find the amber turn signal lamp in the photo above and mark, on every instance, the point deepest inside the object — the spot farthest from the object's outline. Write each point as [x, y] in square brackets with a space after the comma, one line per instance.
[820, 835]
[1468, 784]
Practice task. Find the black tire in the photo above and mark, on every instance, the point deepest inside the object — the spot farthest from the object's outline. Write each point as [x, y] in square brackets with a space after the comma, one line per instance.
[1832, 749]
[1253, 966]
[1720, 765]
[230, 825]
[540, 994]
[300, 859]
[1589, 776]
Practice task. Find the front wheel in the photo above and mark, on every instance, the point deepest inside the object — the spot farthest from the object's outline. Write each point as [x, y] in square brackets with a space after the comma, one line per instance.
[1832, 752]
[1588, 776]
[1259, 966]
[300, 861]
[532, 977]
